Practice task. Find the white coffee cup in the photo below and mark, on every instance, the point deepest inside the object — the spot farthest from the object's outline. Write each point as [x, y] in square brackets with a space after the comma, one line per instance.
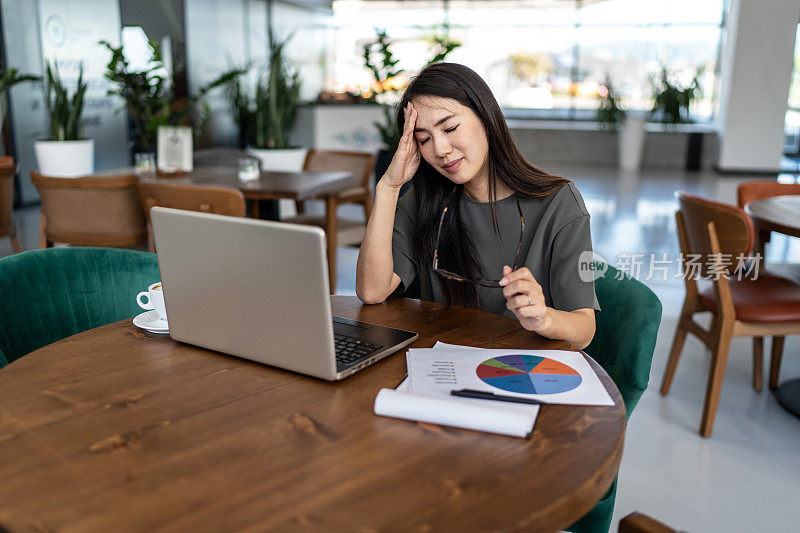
[155, 300]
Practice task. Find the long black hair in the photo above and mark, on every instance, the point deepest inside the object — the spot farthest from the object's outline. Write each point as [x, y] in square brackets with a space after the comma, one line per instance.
[432, 190]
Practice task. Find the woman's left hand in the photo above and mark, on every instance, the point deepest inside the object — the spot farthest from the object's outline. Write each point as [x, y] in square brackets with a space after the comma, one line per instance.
[525, 299]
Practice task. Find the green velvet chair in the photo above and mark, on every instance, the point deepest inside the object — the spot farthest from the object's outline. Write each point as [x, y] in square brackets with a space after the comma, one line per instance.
[623, 345]
[47, 295]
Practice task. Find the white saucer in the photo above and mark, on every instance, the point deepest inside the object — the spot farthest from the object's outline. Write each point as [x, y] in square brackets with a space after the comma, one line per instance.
[149, 321]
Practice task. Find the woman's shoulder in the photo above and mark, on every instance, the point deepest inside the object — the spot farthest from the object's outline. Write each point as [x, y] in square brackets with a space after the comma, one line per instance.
[567, 202]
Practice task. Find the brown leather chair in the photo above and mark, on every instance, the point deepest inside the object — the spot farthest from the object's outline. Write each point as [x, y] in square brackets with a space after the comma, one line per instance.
[766, 305]
[91, 211]
[757, 189]
[217, 200]
[7, 226]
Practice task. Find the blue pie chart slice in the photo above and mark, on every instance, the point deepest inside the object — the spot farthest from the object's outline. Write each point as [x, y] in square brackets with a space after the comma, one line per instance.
[554, 383]
[518, 383]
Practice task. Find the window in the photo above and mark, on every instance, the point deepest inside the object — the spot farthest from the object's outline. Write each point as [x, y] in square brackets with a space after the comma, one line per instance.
[547, 55]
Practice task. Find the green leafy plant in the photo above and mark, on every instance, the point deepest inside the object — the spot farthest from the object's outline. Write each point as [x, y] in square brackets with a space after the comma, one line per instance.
[65, 112]
[266, 119]
[380, 61]
[150, 99]
[672, 100]
[9, 78]
[609, 113]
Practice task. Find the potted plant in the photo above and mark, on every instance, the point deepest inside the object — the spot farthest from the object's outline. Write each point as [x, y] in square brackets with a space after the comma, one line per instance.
[630, 126]
[389, 80]
[672, 100]
[266, 119]
[65, 153]
[150, 98]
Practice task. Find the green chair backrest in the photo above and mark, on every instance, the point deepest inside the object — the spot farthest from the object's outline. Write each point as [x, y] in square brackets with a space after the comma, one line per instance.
[47, 295]
[627, 326]
[623, 345]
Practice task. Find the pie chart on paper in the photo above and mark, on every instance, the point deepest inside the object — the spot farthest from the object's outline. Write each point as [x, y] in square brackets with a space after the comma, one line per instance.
[528, 374]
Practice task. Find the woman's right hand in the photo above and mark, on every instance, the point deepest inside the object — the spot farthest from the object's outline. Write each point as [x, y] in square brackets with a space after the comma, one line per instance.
[406, 159]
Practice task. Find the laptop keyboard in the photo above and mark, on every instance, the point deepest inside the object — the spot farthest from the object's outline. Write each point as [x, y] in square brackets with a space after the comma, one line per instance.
[351, 349]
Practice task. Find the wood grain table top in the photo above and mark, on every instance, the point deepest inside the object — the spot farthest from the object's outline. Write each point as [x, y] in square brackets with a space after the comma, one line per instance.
[114, 429]
[777, 213]
[270, 186]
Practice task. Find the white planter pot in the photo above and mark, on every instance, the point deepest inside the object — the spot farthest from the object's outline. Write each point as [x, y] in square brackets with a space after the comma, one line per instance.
[631, 141]
[283, 160]
[65, 159]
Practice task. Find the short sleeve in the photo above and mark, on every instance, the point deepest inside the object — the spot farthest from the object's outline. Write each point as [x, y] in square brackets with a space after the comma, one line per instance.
[568, 290]
[402, 248]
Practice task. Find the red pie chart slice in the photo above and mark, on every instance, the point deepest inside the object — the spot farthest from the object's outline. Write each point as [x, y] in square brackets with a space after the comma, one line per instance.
[488, 371]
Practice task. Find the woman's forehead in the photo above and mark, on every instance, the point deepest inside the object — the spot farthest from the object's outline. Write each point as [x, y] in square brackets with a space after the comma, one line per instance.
[435, 107]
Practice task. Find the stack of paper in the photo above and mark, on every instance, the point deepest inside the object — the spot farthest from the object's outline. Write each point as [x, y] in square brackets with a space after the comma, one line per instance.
[545, 376]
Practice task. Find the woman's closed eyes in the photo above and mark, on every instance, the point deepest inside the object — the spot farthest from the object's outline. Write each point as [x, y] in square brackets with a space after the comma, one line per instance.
[450, 130]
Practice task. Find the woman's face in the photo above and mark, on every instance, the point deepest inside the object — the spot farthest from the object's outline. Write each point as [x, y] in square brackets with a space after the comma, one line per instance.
[451, 139]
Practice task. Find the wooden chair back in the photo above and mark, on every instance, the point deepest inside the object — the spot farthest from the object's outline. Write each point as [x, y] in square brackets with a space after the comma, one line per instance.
[705, 221]
[757, 189]
[217, 200]
[360, 164]
[92, 211]
[7, 171]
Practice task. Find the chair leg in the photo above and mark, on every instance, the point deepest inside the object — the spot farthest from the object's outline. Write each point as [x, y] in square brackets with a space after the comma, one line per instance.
[775, 364]
[44, 242]
[151, 242]
[674, 357]
[331, 238]
[758, 363]
[719, 358]
[12, 233]
[677, 345]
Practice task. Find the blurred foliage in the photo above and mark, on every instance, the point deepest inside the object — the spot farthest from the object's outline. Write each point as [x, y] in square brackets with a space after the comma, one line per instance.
[609, 113]
[380, 61]
[9, 78]
[266, 119]
[150, 98]
[672, 100]
[527, 67]
[65, 112]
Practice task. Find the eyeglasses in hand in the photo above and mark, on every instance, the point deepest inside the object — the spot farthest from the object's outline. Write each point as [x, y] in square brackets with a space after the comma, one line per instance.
[491, 283]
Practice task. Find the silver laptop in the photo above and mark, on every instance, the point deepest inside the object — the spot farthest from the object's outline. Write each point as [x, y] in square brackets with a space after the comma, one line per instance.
[259, 290]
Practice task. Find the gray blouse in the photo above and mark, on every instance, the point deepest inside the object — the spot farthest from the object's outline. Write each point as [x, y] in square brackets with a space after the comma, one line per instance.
[556, 233]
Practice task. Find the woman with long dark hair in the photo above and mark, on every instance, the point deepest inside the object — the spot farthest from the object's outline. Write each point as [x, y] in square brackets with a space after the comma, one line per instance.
[480, 226]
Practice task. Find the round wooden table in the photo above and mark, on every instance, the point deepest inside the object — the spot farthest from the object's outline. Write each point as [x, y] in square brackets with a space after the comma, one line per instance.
[114, 429]
[781, 214]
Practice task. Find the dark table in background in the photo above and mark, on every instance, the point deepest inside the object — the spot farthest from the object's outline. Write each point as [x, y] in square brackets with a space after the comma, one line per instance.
[781, 214]
[114, 429]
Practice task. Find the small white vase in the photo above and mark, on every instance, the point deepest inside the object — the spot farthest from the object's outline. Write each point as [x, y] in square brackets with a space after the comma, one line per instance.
[281, 160]
[631, 141]
[65, 159]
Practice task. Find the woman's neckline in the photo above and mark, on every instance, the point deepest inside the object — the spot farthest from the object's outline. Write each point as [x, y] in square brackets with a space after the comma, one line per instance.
[473, 201]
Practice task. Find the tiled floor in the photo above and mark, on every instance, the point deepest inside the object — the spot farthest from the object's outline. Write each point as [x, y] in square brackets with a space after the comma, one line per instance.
[746, 477]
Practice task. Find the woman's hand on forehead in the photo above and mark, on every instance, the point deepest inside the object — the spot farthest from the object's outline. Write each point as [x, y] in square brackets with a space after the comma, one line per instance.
[406, 159]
